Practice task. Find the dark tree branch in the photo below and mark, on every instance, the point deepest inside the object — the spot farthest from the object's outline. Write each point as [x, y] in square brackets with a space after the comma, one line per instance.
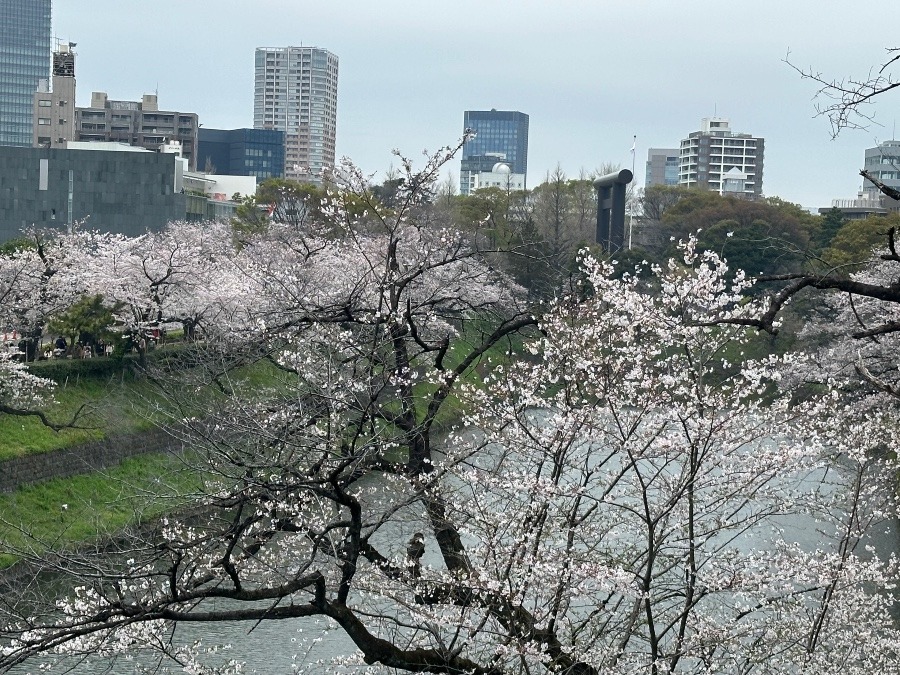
[887, 190]
[26, 412]
[879, 384]
[884, 329]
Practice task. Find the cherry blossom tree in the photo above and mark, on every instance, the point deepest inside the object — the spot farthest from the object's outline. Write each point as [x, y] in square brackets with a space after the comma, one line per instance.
[32, 288]
[35, 283]
[637, 507]
[180, 275]
[23, 394]
[624, 496]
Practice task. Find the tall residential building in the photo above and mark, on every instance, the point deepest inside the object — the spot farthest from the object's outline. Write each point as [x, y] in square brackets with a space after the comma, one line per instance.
[241, 152]
[25, 31]
[295, 91]
[715, 158]
[500, 136]
[883, 162]
[53, 108]
[139, 123]
[662, 166]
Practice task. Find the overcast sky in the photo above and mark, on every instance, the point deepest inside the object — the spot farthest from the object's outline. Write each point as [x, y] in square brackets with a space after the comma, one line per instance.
[590, 74]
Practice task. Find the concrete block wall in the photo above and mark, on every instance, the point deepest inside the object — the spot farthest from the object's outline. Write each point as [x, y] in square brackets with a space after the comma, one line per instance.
[80, 459]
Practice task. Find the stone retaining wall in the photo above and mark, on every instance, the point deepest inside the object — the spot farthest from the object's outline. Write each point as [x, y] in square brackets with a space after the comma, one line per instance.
[81, 458]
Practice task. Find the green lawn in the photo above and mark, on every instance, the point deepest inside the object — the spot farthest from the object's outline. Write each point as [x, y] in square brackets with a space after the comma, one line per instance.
[85, 509]
[107, 405]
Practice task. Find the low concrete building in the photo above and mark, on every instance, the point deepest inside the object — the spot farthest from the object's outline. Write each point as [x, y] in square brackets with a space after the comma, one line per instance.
[500, 176]
[209, 196]
[113, 189]
[864, 206]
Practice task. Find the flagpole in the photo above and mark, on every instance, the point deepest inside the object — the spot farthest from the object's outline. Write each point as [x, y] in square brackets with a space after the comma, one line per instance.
[633, 145]
[631, 210]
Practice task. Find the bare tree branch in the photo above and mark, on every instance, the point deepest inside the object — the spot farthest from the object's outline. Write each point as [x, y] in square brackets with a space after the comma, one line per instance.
[845, 98]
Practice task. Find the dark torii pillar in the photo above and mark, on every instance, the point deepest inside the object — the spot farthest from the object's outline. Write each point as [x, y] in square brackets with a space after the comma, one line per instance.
[611, 209]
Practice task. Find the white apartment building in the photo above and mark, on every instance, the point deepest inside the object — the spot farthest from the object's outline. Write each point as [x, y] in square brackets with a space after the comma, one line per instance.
[883, 162]
[715, 158]
[296, 92]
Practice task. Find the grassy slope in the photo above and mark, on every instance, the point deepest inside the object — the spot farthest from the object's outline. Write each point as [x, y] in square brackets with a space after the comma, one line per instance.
[108, 407]
[81, 509]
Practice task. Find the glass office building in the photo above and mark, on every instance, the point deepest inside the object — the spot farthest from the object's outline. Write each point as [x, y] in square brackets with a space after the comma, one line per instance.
[242, 152]
[25, 32]
[500, 135]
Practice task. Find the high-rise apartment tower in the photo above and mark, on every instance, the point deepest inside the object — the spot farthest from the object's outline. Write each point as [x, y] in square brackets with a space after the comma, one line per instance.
[296, 92]
[501, 136]
[25, 32]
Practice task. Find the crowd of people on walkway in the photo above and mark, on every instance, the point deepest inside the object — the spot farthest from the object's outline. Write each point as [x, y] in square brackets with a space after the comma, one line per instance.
[80, 350]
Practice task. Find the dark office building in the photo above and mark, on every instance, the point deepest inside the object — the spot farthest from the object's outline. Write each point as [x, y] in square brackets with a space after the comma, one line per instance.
[124, 192]
[241, 152]
[501, 135]
[24, 61]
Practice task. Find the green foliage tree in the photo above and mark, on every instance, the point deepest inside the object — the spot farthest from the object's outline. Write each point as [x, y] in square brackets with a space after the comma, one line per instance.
[17, 244]
[88, 320]
[763, 237]
[654, 200]
[282, 200]
[829, 225]
[387, 193]
[852, 245]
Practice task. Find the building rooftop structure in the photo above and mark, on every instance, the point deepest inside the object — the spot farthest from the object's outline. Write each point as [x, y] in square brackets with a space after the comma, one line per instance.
[53, 104]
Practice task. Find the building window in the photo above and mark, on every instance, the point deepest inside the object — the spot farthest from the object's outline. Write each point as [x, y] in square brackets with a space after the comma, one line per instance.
[43, 120]
[44, 103]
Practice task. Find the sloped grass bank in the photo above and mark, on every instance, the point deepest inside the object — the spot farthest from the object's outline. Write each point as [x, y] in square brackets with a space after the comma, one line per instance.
[90, 508]
[110, 395]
